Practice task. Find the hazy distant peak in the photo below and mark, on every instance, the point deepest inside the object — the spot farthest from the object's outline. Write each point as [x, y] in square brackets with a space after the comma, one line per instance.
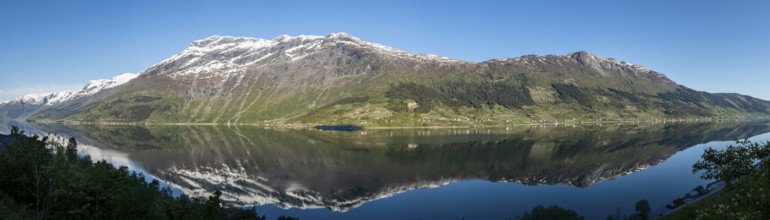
[95, 86]
[92, 87]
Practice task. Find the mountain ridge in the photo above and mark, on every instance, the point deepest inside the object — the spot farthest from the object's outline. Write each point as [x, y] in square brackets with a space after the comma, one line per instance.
[339, 78]
[30, 103]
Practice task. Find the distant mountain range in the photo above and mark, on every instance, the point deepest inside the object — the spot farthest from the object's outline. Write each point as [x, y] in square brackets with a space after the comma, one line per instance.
[339, 78]
[29, 104]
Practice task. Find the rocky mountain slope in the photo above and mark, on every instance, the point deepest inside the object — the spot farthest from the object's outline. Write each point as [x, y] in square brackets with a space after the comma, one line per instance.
[339, 78]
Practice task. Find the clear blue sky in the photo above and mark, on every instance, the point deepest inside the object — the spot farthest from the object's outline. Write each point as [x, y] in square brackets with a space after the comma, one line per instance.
[714, 46]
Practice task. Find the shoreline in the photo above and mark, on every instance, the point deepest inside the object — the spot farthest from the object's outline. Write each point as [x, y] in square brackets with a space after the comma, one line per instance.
[378, 127]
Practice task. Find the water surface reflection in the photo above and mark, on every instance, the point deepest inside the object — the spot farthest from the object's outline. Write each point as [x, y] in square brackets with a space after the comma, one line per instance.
[343, 170]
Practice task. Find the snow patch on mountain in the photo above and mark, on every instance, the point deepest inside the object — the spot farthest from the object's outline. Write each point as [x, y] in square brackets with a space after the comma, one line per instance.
[40, 99]
[225, 55]
[92, 87]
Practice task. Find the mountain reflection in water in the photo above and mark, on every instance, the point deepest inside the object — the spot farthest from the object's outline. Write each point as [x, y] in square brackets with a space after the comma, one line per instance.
[342, 170]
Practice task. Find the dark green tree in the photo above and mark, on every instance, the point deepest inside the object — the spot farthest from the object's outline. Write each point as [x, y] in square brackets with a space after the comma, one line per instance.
[213, 206]
[552, 212]
[72, 149]
[642, 210]
[243, 214]
[287, 218]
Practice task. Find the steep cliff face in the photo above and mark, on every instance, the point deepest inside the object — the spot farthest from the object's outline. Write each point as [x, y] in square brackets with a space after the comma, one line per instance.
[339, 78]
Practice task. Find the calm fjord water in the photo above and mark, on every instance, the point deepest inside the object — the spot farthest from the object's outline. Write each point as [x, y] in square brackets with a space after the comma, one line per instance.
[480, 173]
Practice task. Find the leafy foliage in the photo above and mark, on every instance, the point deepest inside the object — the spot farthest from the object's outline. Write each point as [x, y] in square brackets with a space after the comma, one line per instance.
[50, 181]
[747, 197]
[730, 163]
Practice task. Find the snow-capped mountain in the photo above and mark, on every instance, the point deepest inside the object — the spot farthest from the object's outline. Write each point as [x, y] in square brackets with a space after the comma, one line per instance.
[305, 79]
[90, 88]
[222, 55]
[31, 103]
[43, 99]
[95, 86]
